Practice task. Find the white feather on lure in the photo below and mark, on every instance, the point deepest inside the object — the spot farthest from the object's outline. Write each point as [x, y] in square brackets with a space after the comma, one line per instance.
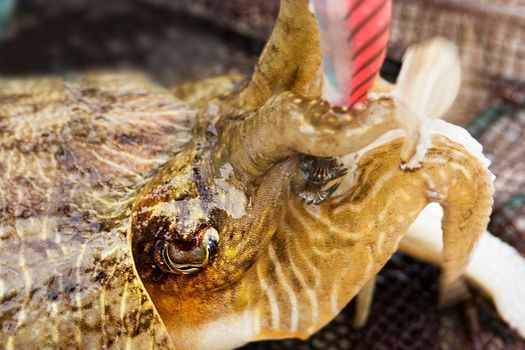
[426, 88]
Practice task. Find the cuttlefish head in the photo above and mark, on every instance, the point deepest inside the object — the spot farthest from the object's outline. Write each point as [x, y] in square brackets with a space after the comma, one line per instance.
[201, 222]
[196, 226]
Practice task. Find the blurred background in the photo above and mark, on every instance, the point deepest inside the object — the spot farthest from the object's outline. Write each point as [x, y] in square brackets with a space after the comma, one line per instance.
[180, 40]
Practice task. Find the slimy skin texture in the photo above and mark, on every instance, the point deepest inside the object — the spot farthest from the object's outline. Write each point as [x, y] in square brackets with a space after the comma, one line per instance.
[73, 154]
[99, 168]
[291, 59]
[309, 122]
[322, 255]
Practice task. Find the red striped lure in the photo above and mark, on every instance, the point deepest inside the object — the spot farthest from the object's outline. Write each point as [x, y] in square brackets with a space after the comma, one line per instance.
[354, 36]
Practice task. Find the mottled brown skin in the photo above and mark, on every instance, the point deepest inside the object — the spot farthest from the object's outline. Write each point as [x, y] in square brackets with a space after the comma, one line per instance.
[73, 153]
[97, 169]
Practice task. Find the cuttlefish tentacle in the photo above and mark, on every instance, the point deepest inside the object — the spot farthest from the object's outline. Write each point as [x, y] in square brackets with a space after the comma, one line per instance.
[290, 124]
[355, 233]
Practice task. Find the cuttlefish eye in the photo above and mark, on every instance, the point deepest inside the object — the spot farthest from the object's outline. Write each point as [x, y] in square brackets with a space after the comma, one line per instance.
[187, 256]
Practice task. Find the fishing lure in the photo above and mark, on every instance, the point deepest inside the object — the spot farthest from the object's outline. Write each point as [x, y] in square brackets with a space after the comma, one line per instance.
[354, 35]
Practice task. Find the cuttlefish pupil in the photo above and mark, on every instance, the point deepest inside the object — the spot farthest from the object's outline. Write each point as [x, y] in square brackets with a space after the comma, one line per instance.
[186, 256]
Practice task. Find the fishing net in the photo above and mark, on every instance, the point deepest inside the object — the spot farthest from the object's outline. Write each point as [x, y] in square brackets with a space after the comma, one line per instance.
[158, 36]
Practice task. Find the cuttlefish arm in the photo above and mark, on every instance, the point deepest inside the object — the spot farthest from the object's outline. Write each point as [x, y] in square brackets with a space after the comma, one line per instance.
[322, 255]
[426, 88]
[291, 59]
[495, 267]
[290, 124]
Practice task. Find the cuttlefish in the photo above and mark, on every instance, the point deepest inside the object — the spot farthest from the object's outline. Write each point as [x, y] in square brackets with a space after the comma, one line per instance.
[227, 210]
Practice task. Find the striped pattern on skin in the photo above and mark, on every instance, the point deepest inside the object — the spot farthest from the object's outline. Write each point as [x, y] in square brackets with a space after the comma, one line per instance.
[73, 153]
[322, 255]
[354, 35]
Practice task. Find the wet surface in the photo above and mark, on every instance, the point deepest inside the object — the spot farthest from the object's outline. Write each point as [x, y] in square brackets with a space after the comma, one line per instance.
[173, 47]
